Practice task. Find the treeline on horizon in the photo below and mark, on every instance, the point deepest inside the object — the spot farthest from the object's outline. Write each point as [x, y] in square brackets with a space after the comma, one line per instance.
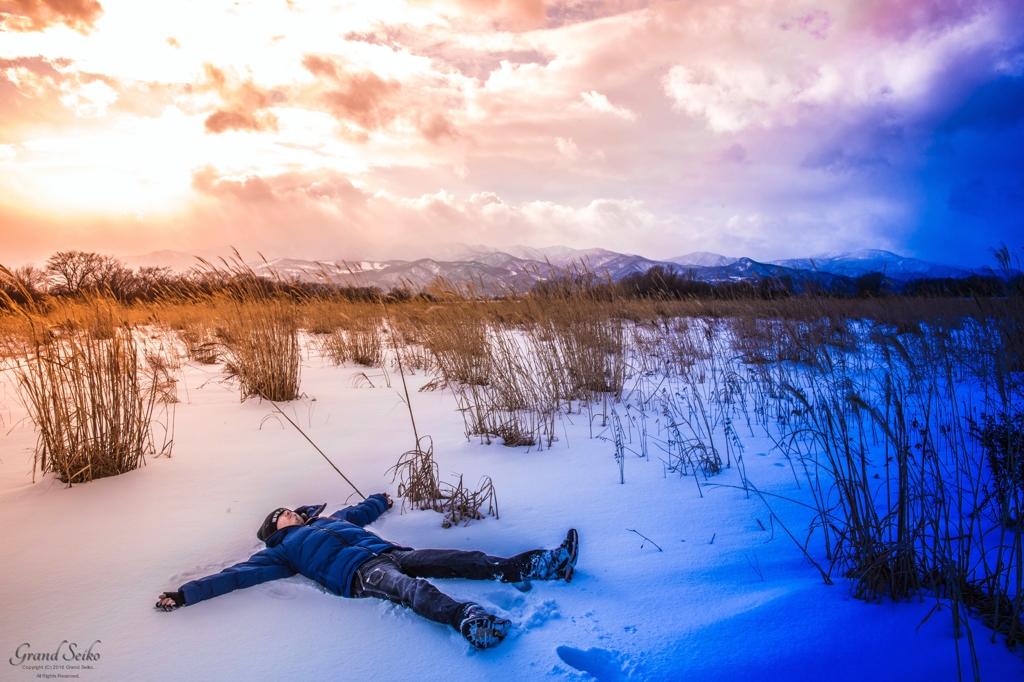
[77, 273]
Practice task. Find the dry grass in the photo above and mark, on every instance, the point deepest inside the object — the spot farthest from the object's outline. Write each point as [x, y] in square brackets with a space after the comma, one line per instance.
[261, 349]
[91, 396]
[258, 332]
[419, 486]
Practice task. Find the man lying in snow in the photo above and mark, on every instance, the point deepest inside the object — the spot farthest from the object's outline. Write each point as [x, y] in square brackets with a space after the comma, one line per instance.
[337, 552]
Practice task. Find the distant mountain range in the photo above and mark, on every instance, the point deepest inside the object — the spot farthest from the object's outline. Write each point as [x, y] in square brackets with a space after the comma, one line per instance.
[521, 266]
[855, 263]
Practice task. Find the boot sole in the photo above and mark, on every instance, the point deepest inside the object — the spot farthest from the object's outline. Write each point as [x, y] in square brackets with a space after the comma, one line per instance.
[483, 633]
[572, 546]
[573, 540]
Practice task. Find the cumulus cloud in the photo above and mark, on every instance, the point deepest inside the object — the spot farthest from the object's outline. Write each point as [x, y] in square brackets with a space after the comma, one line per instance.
[364, 102]
[245, 104]
[730, 97]
[251, 189]
[360, 98]
[845, 68]
[380, 222]
[38, 15]
[29, 79]
[595, 101]
[38, 92]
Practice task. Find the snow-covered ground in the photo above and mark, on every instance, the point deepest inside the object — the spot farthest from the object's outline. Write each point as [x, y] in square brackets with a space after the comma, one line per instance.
[723, 598]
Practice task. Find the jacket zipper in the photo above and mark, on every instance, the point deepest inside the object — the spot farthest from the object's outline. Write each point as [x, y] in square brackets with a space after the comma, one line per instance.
[342, 541]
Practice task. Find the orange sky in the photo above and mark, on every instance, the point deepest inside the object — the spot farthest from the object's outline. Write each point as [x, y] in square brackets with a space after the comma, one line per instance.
[342, 129]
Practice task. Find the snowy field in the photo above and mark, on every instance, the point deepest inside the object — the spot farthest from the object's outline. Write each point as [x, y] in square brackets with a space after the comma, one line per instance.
[717, 593]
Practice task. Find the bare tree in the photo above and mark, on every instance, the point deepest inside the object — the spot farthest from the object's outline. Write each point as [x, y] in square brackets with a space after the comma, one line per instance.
[157, 276]
[32, 278]
[21, 285]
[116, 278]
[71, 271]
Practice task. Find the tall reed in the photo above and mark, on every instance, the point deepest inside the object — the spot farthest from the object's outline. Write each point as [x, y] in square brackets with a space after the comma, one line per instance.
[92, 404]
[260, 332]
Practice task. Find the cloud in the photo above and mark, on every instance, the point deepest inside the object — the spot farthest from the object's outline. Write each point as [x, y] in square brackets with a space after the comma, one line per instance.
[595, 101]
[437, 128]
[363, 99]
[526, 10]
[817, 23]
[512, 14]
[901, 19]
[839, 66]
[283, 188]
[251, 189]
[364, 102]
[38, 15]
[524, 15]
[333, 210]
[485, 119]
[30, 95]
[568, 12]
[244, 104]
[89, 99]
[567, 148]
[730, 97]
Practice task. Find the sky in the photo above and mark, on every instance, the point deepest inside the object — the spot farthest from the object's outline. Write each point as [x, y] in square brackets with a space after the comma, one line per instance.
[761, 128]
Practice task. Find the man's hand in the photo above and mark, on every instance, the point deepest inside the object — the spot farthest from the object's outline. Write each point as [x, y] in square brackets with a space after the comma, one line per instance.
[391, 503]
[168, 601]
[310, 510]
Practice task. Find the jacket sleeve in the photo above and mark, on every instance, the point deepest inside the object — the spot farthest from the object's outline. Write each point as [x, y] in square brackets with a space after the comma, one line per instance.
[364, 513]
[259, 568]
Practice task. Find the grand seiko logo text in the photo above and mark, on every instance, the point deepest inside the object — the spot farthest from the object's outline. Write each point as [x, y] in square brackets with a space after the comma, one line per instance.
[66, 652]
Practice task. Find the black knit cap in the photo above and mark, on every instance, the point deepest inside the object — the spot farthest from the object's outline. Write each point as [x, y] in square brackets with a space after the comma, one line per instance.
[269, 526]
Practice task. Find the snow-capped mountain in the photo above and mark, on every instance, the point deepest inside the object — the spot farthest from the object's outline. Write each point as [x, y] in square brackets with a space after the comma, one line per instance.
[703, 259]
[856, 263]
[518, 267]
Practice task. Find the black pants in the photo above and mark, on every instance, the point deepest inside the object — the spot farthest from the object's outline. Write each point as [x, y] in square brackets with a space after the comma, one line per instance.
[397, 576]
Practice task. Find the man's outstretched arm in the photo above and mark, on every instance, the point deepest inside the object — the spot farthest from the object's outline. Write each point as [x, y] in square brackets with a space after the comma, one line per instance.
[259, 568]
[367, 511]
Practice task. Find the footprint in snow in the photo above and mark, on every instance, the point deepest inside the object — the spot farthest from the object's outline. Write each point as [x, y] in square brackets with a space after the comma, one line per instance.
[603, 665]
[505, 600]
[540, 613]
[525, 613]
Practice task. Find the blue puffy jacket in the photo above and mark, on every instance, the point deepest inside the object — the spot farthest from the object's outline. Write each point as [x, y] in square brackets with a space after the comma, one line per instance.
[328, 549]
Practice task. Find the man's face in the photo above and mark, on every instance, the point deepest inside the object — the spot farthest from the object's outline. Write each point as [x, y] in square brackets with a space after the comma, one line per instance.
[289, 518]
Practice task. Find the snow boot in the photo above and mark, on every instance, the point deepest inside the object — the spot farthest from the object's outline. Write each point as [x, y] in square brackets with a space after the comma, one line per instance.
[481, 629]
[558, 563]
